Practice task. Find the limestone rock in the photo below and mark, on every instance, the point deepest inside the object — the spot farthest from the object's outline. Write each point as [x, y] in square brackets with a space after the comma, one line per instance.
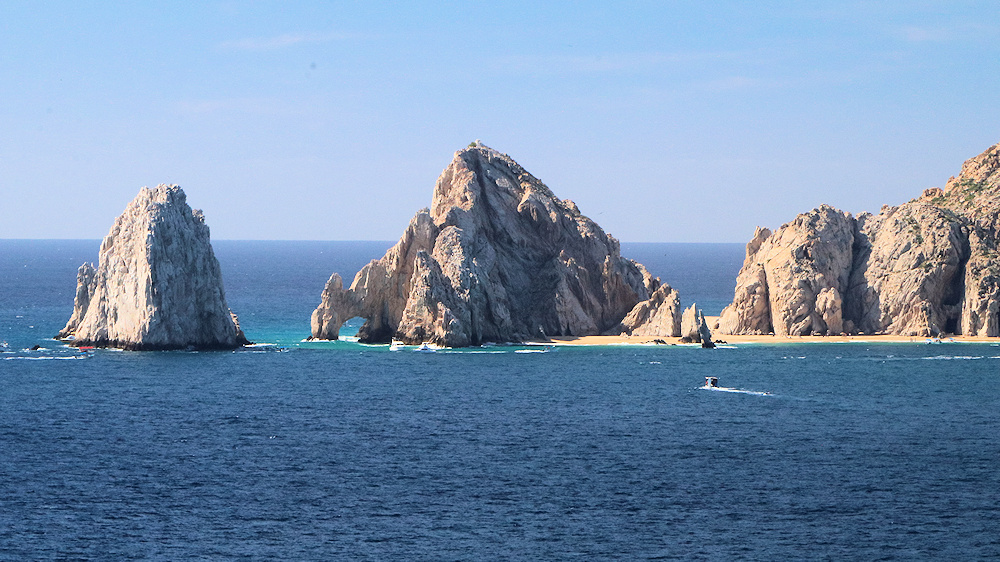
[975, 195]
[694, 329]
[906, 277]
[660, 315]
[924, 268]
[704, 333]
[85, 287]
[778, 289]
[981, 304]
[496, 258]
[750, 311]
[690, 324]
[157, 284]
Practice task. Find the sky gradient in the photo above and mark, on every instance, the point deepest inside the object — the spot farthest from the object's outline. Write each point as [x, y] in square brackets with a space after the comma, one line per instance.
[664, 121]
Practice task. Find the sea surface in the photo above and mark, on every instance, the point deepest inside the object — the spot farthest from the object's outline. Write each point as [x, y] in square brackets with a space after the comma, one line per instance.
[336, 450]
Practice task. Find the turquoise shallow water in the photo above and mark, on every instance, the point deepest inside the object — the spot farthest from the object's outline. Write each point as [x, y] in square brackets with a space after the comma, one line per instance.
[342, 451]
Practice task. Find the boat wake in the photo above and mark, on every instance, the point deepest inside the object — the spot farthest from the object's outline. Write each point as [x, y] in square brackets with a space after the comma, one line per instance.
[712, 383]
[735, 390]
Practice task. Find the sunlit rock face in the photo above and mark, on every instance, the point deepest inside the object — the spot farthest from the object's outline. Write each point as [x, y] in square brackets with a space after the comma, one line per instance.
[659, 315]
[928, 267]
[496, 258]
[793, 280]
[157, 285]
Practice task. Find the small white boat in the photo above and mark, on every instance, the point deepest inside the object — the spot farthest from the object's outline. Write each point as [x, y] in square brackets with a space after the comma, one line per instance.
[426, 348]
[396, 345]
[712, 383]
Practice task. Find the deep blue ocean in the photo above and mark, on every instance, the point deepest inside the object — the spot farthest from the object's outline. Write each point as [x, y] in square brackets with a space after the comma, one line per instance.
[334, 450]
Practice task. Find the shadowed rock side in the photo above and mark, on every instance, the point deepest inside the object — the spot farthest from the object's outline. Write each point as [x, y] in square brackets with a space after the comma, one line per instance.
[924, 268]
[157, 284]
[496, 258]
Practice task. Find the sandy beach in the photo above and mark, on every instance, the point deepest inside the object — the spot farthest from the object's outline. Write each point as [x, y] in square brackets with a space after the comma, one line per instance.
[763, 339]
[649, 340]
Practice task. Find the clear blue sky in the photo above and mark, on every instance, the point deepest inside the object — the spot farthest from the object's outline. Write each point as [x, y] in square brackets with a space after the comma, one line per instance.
[664, 121]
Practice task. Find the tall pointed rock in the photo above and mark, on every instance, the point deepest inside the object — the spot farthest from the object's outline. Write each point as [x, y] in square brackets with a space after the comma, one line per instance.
[157, 284]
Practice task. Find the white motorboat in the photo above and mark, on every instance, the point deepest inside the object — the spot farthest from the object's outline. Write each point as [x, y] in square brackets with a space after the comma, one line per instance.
[426, 348]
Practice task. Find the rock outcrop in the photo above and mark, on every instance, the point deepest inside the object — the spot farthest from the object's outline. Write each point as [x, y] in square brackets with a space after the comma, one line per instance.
[792, 281]
[157, 284]
[496, 258]
[660, 315]
[694, 328]
[907, 270]
[924, 268]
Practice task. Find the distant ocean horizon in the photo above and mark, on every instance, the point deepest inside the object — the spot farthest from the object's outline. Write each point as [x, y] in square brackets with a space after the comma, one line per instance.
[338, 450]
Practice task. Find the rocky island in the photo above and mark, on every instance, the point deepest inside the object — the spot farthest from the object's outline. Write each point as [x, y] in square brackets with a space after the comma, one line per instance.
[157, 285]
[497, 258]
[928, 267]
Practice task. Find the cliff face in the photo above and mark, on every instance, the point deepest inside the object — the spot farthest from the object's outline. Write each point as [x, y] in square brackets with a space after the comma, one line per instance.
[793, 281]
[497, 258]
[923, 268]
[907, 271]
[157, 284]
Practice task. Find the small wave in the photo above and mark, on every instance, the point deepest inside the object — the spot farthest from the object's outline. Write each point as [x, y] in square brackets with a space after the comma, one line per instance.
[952, 358]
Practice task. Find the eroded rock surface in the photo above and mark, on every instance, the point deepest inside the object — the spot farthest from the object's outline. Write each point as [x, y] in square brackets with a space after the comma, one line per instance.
[694, 328]
[792, 281]
[906, 277]
[497, 258]
[660, 315]
[924, 268]
[157, 284]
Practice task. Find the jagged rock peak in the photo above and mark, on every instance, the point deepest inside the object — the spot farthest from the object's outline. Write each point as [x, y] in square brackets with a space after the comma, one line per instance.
[157, 284]
[981, 169]
[659, 315]
[923, 268]
[496, 258]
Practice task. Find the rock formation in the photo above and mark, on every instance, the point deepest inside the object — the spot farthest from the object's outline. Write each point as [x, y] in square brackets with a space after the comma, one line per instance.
[793, 280]
[496, 258]
[924, 268]
[657, 316]
[694, 328]
[157, 284]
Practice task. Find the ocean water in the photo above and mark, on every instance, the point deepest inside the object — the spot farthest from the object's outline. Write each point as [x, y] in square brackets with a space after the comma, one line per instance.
[341, 451]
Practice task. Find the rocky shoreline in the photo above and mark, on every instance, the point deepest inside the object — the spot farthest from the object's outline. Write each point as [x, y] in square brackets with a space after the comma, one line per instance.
[498, 258]
[926, 268]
